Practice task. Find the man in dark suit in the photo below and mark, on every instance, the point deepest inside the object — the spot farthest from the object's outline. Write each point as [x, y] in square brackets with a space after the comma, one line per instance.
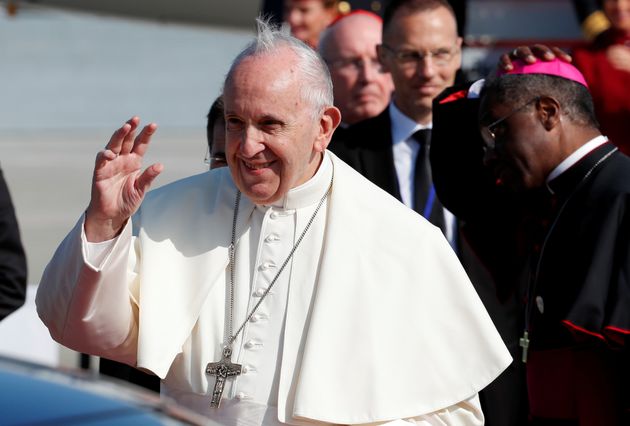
[422, 51]
[12, 258]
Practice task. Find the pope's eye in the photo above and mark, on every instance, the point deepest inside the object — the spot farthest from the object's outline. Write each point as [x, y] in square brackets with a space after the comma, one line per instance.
[232, 123]
[271, 125]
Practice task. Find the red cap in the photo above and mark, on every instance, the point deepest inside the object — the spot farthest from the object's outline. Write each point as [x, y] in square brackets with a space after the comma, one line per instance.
[356, 12]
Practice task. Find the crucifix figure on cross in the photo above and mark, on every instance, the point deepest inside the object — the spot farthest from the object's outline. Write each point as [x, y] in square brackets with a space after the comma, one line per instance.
[524, 343]
[222, 369]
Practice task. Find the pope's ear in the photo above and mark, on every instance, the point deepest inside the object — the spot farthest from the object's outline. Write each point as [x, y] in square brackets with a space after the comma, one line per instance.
[549, 110]
[328, 122]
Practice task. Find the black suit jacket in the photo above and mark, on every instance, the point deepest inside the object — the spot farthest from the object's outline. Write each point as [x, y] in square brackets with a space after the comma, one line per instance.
[12, 258]
[367, 147]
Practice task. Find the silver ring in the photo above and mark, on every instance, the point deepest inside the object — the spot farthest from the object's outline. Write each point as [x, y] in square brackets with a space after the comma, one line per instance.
[515, 52]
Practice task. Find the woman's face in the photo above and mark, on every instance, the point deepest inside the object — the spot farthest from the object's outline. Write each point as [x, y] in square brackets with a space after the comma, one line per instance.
[618, 12]
[308, 18]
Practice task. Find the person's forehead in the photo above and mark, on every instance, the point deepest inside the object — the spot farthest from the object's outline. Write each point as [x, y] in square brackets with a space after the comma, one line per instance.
[356, 34]
[491, 106]
[260, 87]
[275, 71]
[263, 84]
[430, 28]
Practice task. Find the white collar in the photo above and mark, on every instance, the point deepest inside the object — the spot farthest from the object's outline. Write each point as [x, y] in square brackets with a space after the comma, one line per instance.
[576, 156]
[402, 126]
[311, 191]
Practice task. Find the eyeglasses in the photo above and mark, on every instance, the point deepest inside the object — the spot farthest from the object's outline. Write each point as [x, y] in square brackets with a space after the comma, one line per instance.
[489, 133]
[355, 64]
[407, 58]
[215, 160]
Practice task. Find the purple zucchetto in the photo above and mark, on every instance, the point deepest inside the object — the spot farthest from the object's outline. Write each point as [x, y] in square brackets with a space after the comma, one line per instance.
[555, 67]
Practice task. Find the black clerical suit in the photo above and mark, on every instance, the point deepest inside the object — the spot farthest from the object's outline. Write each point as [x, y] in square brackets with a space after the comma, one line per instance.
[12, 258]
[567, 261]
[367, 147]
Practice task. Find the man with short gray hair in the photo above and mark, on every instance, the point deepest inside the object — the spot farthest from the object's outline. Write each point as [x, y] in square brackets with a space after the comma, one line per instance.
[362, 89]
[284, 288]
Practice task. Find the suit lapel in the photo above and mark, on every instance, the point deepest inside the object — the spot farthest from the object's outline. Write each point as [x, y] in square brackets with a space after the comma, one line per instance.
[377, 158]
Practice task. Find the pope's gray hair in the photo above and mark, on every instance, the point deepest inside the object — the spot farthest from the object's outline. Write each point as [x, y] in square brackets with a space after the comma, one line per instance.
[315, 83]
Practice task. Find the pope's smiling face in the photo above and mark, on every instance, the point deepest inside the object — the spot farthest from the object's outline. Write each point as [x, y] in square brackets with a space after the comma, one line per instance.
[274, 140]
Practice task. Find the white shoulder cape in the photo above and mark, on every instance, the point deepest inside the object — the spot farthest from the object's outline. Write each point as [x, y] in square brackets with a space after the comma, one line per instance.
[396, 328]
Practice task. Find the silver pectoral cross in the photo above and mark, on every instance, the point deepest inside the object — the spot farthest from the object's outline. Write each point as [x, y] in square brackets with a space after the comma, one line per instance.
[524, 343]
[222, 369]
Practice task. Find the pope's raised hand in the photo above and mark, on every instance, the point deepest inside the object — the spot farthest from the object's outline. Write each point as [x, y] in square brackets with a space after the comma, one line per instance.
[119, 183]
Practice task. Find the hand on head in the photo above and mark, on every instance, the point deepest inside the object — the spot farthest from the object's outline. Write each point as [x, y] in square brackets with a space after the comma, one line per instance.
[530, 54]
[118, 183]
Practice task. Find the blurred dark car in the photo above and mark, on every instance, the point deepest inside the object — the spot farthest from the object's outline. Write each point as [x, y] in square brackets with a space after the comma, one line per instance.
[32, 394]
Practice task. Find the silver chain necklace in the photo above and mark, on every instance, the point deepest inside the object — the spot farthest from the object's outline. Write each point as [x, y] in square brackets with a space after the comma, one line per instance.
[225, 368]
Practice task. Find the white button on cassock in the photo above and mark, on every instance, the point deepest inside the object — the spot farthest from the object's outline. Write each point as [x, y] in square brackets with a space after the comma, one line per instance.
[248, 369]
[272, 238]
[257, 317]
[266, 265]
[275, 214]
[260, 291]
[252, 344]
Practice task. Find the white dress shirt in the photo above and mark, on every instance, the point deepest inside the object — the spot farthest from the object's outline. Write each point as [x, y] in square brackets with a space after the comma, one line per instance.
[405, 149]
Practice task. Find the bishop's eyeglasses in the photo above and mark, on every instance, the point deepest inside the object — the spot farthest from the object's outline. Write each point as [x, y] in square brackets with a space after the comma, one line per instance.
[489, 132]
[407, 57]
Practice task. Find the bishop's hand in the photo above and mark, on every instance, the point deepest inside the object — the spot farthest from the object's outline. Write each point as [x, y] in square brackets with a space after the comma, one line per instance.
[530, 54]
[118, 183]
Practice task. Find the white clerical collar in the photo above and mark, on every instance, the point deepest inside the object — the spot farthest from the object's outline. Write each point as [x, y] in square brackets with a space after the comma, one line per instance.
[575, 157]
[402, 126]
[311, 191]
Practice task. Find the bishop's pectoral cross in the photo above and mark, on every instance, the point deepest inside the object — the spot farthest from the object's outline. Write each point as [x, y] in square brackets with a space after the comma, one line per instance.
[524, 343]
[222, 369]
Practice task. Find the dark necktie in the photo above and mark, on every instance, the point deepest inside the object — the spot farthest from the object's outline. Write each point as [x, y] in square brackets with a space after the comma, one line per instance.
[425, 201]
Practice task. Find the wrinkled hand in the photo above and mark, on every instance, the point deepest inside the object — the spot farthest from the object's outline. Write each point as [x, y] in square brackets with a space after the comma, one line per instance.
[118, 183]
[619, 57]
[530, 54]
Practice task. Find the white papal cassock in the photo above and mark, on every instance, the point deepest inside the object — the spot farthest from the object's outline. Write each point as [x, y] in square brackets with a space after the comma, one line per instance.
[372, 320]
